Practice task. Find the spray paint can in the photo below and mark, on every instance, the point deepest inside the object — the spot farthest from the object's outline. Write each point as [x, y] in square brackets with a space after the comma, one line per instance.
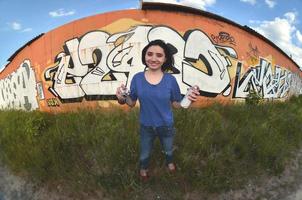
[125, 94]
[186, 102]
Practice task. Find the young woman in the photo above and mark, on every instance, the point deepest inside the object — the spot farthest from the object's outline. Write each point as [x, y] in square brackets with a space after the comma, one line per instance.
[157, 91]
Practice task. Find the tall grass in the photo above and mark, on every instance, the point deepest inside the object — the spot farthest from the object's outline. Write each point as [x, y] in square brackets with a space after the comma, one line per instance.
[216, 148]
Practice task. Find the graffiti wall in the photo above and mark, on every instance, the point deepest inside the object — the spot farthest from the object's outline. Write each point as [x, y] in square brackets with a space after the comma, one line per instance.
[83, 62]
[18, 89]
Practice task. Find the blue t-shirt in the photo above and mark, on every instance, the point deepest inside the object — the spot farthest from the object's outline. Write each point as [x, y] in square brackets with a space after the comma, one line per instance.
[155, 100]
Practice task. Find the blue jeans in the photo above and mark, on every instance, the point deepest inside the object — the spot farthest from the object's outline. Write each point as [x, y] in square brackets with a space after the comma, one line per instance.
[147, 137]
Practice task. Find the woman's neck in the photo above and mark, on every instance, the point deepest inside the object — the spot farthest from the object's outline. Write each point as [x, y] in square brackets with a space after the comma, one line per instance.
[154, 72]
[154, 76]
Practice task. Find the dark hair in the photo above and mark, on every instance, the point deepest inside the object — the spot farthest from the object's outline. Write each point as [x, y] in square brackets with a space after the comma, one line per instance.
[169, 58]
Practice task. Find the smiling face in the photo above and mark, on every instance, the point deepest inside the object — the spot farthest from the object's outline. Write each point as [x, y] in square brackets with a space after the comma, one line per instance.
[155, 57]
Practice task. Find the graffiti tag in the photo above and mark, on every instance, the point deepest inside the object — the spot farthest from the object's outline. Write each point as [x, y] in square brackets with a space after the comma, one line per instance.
[223, 37]
[263, 80]
[18, 89]
[53, 102]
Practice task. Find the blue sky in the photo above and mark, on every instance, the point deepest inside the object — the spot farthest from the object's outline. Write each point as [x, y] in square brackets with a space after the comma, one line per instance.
[21, 20]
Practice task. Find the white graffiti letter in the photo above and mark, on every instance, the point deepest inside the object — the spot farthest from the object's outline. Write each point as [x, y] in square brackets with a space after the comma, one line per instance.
[217, 79]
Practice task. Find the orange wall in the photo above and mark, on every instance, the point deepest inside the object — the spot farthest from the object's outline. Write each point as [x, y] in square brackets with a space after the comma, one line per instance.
[81, 63]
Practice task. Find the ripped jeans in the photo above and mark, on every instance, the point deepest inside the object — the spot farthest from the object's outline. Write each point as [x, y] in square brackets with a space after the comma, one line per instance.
[147, 137]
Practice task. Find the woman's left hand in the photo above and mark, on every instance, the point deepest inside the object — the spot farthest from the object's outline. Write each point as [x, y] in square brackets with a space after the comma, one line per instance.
[194, 94]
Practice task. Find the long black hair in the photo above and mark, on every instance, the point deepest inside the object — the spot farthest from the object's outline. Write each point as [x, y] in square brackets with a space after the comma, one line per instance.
[169, 58]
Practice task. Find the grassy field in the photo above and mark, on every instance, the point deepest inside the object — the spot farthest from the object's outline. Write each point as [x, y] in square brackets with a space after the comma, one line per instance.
[217, 148]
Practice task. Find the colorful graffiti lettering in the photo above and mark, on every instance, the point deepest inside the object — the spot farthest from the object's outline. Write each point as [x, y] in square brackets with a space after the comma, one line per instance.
[98, 63]
[18, 90]
[83, 62]
[262, 79]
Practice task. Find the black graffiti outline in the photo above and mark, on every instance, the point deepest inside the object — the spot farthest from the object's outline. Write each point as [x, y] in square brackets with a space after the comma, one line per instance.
[126, 34]
[253, 77]
[9, 88]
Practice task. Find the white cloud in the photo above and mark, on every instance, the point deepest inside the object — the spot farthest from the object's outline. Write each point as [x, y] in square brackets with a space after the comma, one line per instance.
[27, 30]
[61, 12]
[282, 31]
[15, 26]
[199, 4]
[291, 17]
[279, 30]
[253, 2]
[163, 1]
[299, 36]
[270, 3]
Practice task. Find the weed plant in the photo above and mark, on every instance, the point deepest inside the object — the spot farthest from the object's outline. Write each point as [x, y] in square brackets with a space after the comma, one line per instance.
[217, 148]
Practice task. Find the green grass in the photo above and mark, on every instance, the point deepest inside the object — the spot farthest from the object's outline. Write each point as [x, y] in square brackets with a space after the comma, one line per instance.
[218, 148]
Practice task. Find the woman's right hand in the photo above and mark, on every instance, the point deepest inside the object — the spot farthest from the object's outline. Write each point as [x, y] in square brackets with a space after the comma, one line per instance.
[124, 98]
[119, 94]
